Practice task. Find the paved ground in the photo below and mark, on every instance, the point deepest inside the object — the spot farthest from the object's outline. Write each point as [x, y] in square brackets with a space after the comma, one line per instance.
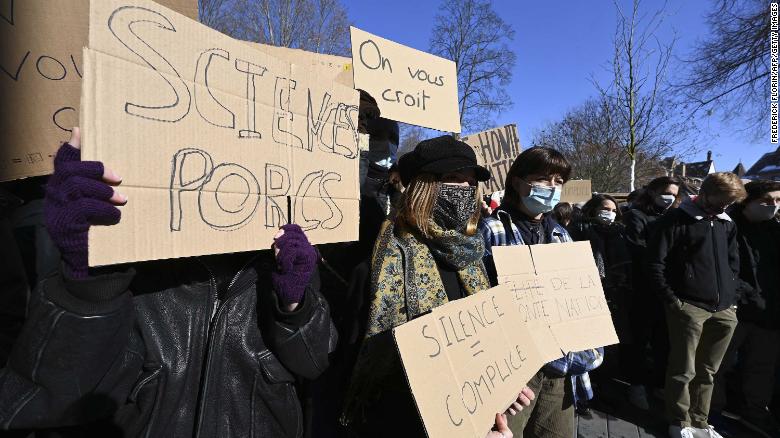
[614, 417]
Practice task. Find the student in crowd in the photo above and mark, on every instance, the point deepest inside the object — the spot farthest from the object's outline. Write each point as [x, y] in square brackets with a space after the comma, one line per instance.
[755, 346]
[630, 200]
[563, 213]
[602, 226]
[428, 254]
[693, 266]
[533, 188]
[202, 346]
[648, 323]
[376, 162]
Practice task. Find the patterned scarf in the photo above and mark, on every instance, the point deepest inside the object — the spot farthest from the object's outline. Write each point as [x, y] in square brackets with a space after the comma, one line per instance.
[405, 283]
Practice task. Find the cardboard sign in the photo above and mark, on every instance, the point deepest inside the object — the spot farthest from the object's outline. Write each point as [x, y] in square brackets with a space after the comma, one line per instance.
[328, 67]
[578, 190]
[40, 78]
[215, 140]
[496, 149]
[557, 287]
[409, 86]
[466, 361]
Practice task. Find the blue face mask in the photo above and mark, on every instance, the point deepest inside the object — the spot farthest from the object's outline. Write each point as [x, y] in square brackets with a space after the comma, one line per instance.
[542, 199]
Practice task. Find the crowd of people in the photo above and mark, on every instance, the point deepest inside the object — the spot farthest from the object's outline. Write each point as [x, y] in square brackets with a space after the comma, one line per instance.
[296, 340]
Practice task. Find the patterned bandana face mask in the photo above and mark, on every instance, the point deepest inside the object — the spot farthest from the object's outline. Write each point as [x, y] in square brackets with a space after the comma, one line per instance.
[454, 206]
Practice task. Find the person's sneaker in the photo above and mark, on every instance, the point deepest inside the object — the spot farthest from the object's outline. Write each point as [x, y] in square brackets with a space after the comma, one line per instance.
[637, 396]
[763, 424]
[709, 432]
[681, 432]
[584, 412]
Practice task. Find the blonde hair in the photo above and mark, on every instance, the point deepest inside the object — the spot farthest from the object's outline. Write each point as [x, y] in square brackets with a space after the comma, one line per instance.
[723, 185]
[419, 199]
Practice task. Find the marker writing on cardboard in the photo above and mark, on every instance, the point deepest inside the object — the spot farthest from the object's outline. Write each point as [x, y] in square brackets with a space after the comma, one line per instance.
[371, 57]
[474, 391]
[331, 125]
[467, 323]
[194, 170]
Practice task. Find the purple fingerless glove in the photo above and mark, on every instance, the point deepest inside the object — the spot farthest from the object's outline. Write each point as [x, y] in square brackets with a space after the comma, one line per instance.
[296, 262]
[76, 197]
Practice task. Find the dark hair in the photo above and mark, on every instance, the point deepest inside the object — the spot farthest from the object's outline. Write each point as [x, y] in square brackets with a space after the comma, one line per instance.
[633, 196]
[562, 212]
[537, 159]
[760, 187]
[645, 199]
[591, 207]
[383, 129]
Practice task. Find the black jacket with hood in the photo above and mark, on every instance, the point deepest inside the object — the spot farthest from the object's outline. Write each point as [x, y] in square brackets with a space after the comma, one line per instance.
[694, 258]
[759, 255]
[176, 349]
[639, 223]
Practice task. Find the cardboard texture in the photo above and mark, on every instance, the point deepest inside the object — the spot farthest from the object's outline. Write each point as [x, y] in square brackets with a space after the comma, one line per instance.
[577, 190]
[409, 86]
[327, 67]
[40, 78]
[564, 294]
[211, 138]
[496, 149]
[466, 361]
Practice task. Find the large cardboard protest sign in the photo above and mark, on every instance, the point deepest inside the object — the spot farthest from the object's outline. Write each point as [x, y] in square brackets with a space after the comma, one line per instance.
[215, 141]
[577, 190]
[40, 78]
[409, 86]
[466, 361]
[496, 149]
[560, 290]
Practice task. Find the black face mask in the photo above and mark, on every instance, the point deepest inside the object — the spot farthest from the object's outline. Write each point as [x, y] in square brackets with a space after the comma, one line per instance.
[709, 208]
[454, 206]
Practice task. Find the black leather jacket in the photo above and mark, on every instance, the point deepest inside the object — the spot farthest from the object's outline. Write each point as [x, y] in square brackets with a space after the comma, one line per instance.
[173, 350]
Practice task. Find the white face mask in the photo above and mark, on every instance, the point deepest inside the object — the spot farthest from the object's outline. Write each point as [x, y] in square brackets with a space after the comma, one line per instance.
[760, 212]
[606, 217]
[665, 201]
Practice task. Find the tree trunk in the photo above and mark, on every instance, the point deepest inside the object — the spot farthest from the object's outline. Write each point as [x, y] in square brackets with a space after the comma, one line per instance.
[633, 175]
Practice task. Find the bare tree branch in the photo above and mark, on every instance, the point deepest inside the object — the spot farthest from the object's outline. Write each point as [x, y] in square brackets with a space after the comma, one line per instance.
[473, 35]
[728, 72]
[316, 25]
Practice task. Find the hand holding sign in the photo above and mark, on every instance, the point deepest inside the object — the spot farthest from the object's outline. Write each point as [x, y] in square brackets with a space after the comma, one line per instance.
[501, 429]
[296, 261]
[523, 401]
[467, 359]
[79, 195]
